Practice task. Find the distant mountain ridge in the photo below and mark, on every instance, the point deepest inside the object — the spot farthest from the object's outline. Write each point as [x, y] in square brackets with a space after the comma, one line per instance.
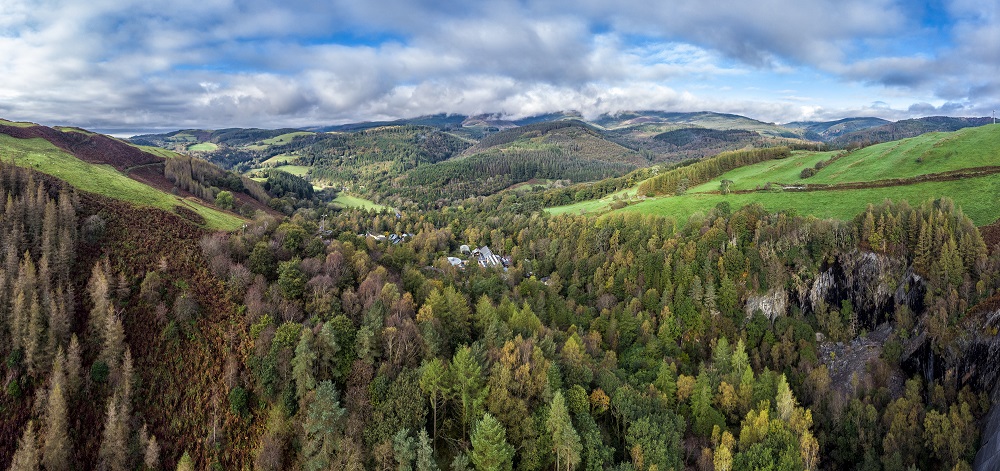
[827, 130]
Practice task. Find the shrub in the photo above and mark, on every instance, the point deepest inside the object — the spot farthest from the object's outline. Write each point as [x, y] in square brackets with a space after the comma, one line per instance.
[807, 172]
[185, 307]
[224, 200]
[93, 229]
[99, 371]
[238, 401]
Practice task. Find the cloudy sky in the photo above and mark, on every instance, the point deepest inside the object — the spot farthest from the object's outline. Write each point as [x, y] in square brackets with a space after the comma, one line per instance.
[136, 64]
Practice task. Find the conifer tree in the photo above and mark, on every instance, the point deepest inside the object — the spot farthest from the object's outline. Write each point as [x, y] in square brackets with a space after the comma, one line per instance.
[434, 383]
[565, 441]
[425, 453]
[666, 382]
[59, 320]
[404, 450]
[490, 450]
[323, 424]
[98, 288]
[185, 463]
[57, 448]
[26, 456]
[114, 440]
[73, 367]
[785, 400]
[114, 343]
[151, 455]
[34, 339]
[467, 386]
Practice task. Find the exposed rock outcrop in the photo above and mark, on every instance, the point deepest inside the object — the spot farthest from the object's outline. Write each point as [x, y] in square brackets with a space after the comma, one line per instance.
[772, 304]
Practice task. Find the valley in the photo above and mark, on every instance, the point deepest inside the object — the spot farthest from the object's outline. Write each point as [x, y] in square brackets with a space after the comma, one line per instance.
[422, 291]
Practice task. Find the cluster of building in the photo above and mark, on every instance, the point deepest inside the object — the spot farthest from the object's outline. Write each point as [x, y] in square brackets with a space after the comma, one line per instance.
[393, 238]
[483, 256]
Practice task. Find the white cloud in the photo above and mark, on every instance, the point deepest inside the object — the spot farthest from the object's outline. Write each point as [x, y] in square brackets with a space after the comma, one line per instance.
[218, 63]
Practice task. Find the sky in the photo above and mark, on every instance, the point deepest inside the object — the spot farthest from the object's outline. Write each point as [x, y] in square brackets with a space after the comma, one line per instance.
[141, 65]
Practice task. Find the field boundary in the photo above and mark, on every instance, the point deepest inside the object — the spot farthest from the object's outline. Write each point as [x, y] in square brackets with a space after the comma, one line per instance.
[950, 175]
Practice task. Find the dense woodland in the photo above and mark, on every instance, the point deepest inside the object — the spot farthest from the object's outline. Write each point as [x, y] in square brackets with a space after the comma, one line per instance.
[625, 342]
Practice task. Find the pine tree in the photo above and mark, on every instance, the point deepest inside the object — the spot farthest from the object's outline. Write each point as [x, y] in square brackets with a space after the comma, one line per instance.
[323, 423]
[434, 383]
[57, 448]
[114, 342]
[73, 367]
[114, 440]
[98, 288]
[124, 385]
[490, 450]
[666, 382]
[425, 453]
[26, 456]
[59, 320]
[467, 386]
[565, 441]
[34, 337]
[151, 455]
[785, 400]
[404, 450]
[185, 463]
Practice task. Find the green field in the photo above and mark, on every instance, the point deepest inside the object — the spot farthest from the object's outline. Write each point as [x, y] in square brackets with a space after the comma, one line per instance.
[929, 153]
[72, 129]
[203, 147]
[165, 153]
[785, 170]
[101, 179]
[351, 201]
[299, 170]
[16, 124]
[278, 160]
[285, 138]
[593, 206]
[976, 196]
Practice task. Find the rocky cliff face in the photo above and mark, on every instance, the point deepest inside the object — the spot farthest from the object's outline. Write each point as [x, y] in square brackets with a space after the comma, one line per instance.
[873, 283]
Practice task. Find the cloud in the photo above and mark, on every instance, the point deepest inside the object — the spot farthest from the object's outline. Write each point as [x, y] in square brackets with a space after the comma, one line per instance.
[213, 63]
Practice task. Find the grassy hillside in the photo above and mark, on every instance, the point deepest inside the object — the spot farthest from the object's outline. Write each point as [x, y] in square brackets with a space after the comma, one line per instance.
[976, 196]
[103, 179]
[897, 166]
[927, 154]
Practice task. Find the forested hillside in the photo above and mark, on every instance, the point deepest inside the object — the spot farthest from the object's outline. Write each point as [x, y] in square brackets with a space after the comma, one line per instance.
[904, 129]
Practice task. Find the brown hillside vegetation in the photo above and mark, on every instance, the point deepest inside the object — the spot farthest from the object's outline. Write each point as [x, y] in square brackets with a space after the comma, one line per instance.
[93, 148]
[183, 394]
[179, 361]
